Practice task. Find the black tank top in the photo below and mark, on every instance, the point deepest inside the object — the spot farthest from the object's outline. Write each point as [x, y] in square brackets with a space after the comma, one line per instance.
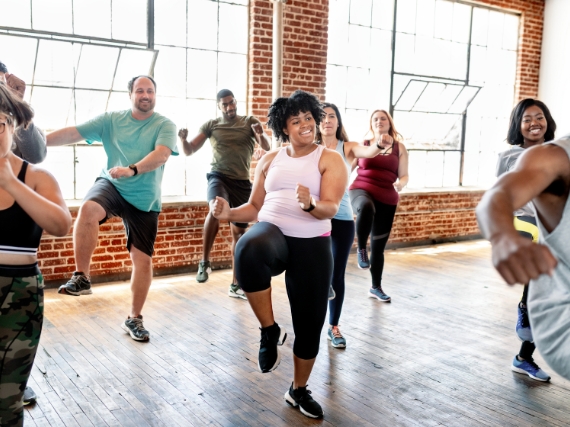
[19, 234]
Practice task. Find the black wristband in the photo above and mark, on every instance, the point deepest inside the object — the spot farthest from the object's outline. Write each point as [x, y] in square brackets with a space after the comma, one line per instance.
[134, 168]
[312, 205]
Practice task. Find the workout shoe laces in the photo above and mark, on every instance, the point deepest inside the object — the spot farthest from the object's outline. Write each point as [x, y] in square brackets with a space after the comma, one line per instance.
[134, 326]
[523, 325]
[77, 285]
[363, 261]
[336, 338]
[302, 398]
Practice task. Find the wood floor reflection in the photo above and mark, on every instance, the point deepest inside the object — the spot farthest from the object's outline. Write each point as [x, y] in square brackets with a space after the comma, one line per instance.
[439, 354]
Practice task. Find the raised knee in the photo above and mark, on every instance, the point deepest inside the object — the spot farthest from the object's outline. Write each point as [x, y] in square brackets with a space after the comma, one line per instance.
[91, 211]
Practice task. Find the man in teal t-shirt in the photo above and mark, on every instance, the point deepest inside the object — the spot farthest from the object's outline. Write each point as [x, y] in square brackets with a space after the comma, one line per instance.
[138, 142]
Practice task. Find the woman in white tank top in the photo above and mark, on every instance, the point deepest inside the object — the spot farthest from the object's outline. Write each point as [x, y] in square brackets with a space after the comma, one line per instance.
[296, 191]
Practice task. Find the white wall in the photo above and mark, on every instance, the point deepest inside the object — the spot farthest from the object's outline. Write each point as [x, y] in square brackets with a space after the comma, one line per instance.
[554, 81]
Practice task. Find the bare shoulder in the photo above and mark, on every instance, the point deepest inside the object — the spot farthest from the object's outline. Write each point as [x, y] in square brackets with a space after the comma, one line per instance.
[37, 175]
[331, 156]
[402, 147]
[267, 159]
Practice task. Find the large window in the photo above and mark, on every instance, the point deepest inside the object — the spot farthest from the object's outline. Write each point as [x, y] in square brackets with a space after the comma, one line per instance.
[77, 56]
[446, 71]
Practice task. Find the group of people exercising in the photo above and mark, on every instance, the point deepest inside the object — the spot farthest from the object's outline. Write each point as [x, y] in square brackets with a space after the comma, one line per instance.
[300, 202]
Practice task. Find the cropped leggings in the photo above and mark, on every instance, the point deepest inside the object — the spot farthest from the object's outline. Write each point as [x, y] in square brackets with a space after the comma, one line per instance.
[264, 252]
[21, 314]
[374, 219]
[342, 237]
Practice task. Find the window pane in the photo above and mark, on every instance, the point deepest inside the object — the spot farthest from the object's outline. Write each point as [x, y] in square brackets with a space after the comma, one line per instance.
[382, 14]
[356, 123]
[451, 163]
[202, 74]
[405, 53]
[129, 20]
[434, 169]
[338, 32]
[173, 181]
[15, 14]
[203, 33]
[410, 95]
[233, 25]
[357, 88]
[511, 32]
[55, 64]
[429, 97]
[461, 18]
[417, 167]
[495, 37]
[92, 18]
[480, 26]
[359, 42]
[53, 15]
[18, 54]
[443, 20]
[463, 100]
[118, 101]
[199, 112]
[173, 108]
[336, 85]
[90, 161]
[88, 104]
[424, 27]
[99, 76]
[170, 22]
[59, 162]
[360, 12]
[232, 72]
[132, 63]
[52, 107]
[406, 16]
[170, 71]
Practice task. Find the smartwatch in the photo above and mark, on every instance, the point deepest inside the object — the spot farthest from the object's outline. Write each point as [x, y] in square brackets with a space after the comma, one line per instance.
[134, 168]
[312, 205]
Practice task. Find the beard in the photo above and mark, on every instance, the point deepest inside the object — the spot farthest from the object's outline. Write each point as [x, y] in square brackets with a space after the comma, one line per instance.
[145, 108]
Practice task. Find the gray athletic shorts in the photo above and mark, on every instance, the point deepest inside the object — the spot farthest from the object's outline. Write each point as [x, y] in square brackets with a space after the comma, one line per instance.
[141, 226]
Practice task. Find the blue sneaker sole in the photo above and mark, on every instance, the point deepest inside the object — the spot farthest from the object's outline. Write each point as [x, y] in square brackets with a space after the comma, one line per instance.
[522, 371]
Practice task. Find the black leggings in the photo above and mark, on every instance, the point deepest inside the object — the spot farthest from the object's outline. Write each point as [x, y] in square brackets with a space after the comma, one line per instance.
[374, 219]
[264, 252]
[342, 237]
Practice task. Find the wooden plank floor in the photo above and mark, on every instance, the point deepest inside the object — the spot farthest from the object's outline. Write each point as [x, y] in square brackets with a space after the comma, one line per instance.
[439, 354]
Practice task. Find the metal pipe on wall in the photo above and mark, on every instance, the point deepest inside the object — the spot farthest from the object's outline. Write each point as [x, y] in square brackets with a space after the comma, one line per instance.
[277, 68]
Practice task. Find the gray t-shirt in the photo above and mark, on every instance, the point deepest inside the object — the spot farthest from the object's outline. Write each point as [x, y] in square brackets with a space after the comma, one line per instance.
[549, 297]
[505, 163]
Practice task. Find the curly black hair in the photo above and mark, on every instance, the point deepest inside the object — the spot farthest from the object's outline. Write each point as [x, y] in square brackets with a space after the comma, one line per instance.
[283, 108]
[16, 110]
[514, 135]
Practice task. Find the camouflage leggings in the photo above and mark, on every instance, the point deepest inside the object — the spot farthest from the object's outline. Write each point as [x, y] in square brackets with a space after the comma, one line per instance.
[21, 318]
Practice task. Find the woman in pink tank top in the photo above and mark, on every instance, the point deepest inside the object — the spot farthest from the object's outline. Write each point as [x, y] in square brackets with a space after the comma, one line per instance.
[296, 191]
[374, 197]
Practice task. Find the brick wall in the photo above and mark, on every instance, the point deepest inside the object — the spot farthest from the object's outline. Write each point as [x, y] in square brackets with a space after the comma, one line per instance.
[421, 217]
[305, 27]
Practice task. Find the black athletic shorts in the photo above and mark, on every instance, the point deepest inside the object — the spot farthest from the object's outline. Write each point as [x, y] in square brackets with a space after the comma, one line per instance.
[141, 226]
[235, 191]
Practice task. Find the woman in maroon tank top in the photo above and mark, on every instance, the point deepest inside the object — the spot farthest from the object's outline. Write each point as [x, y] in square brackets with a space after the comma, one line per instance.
[374, 196]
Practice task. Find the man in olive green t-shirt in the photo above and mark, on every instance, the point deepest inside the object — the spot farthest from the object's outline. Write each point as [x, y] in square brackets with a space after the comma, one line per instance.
[233, 139]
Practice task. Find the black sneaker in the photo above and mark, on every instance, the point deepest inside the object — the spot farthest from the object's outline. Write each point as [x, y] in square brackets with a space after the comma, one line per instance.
[134, 327]
[79, 284]
[29, 396]
[269, 356]
[301, 397]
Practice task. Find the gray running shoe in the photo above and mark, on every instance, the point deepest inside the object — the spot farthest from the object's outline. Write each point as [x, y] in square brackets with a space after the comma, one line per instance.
[335, 337]
[29, 396]
[79, 284]
[204, 269]
[379, 294]
[236, 292]
[134, 327]
[332, 293]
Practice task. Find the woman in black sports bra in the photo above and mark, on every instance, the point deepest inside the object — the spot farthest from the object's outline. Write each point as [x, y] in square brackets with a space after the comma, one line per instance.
[30, 202]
